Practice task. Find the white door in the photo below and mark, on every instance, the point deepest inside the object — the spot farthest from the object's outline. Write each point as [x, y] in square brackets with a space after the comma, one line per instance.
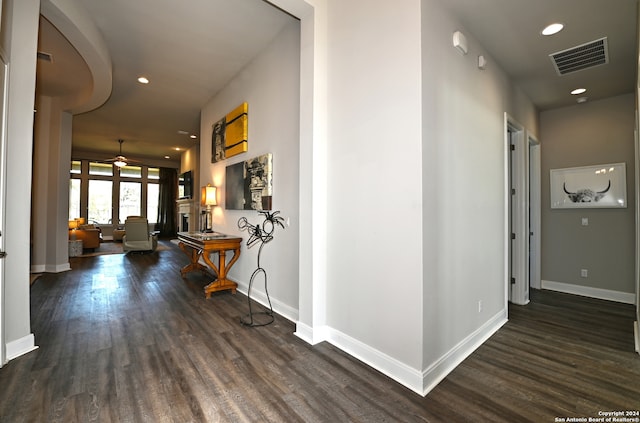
[3, 146]
[518, 198]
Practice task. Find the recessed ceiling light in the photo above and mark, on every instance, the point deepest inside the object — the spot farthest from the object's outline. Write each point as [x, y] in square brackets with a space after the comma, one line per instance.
[193, 136]
[167, 157]
[177, 148]
[578, 91]
[143, 80]
[554, 28]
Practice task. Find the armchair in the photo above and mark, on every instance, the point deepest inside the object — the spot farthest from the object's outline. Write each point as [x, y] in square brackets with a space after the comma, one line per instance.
[90, 235]
[136, 235]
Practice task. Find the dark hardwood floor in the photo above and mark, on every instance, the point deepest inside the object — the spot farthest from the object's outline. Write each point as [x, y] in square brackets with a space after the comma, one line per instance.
[124, 339]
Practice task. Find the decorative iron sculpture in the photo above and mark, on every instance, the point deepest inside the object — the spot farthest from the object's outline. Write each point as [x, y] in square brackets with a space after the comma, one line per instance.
[260, 234]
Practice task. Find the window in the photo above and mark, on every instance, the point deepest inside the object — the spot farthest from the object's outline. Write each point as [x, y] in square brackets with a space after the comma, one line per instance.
[131, 172]
[111, 194]
[74, 198]
[153, 195]
[100, 169]
[76, 166]
[153, 173]
[130, 199]
[100, 201]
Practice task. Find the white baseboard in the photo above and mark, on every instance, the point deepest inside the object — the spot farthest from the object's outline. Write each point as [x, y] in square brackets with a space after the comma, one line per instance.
[586, 291]
[396, 370]
[50, 268]
[311, 335]
[304, 332]
[437, 371]
[37, 268]
[418, 381]
[636, 333]
[279, 307]
[21, 346]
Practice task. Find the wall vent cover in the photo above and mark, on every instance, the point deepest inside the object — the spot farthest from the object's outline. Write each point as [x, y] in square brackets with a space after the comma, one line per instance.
[594, 53]
[45, 56]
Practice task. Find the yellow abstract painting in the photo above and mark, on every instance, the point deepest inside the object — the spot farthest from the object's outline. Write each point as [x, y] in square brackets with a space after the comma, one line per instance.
[230, 134]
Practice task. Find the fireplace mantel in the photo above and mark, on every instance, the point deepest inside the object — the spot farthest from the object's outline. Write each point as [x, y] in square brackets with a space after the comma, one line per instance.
[187, 219]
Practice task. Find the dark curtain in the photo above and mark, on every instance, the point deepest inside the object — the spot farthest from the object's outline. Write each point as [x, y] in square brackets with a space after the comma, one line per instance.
[167, 202]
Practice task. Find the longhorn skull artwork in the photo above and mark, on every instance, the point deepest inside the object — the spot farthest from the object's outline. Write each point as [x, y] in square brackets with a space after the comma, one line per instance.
[586, 195]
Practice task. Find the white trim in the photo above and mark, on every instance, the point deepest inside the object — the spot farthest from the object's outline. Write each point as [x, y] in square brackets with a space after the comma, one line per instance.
[3, 192]
[535, 224]
[304, 332]
[636, 145]
[636, 334]
[21, 346]
[587, 291]
[436, 372]
[50, 268]
[311, 336]
[421, 382]
[396, 370]
[37, 268]
[517, 208]
[279, 307]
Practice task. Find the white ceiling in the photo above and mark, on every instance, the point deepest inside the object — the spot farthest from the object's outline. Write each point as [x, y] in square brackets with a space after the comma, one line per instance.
[190, 53]
[510, 31]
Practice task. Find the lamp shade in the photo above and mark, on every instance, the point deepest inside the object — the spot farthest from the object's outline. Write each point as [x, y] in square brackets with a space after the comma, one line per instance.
[208, 197]
[73, 224]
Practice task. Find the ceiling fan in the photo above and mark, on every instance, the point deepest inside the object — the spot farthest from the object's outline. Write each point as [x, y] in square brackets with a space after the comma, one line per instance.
[121, 160]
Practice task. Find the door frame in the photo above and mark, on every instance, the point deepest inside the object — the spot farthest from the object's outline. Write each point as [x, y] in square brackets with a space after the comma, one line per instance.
[535, 213]
[636, 324]
[517, 209]
[4, 69]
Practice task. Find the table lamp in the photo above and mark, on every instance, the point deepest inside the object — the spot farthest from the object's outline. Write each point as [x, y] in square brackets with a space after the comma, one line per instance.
[73, 225]
[208, 199]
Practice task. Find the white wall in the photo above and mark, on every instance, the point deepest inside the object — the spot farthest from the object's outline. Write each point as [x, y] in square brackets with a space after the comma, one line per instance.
[20, 42]
[374, 254]
[50, 187]
[464, 191]
[270, 85]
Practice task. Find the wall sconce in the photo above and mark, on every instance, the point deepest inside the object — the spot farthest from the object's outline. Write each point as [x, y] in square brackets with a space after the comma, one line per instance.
[208, 199]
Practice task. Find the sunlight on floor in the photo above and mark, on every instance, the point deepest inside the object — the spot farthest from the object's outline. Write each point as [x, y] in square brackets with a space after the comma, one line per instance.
[110, 283]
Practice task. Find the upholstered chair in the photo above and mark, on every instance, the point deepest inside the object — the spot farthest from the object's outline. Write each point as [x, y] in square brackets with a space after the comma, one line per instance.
[136, 235]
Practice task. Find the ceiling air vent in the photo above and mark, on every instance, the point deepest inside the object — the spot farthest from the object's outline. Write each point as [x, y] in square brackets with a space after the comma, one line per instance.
[45, 56]
[581, 57]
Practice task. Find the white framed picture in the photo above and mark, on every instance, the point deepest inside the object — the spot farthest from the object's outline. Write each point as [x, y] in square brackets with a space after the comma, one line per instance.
[602, 186]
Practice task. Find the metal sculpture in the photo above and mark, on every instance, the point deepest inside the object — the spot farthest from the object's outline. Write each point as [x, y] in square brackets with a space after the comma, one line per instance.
[260, 234]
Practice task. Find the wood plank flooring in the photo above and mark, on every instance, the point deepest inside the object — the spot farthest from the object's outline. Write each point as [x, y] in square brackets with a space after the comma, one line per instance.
[124, 339]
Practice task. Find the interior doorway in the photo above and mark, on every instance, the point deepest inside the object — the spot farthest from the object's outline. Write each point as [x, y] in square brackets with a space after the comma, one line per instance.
[523, 196]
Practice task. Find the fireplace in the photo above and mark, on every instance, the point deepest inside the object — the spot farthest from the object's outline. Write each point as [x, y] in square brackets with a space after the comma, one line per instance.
[184, 224]
[187, 219]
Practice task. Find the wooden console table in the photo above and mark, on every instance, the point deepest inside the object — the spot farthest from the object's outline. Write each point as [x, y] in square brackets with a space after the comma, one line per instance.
[198, 244]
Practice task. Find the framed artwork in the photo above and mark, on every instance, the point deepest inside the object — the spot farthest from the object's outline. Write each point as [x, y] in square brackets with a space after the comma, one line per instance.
[249, 184]
[230, 134]
[601, 186]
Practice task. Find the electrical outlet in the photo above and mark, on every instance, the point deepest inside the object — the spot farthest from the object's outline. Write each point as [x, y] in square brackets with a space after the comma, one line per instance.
[585, 221]
[584, 273]
[480, 306]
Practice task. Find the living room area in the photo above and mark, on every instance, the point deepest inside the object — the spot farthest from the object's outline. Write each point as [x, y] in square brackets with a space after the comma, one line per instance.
[110, 222]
